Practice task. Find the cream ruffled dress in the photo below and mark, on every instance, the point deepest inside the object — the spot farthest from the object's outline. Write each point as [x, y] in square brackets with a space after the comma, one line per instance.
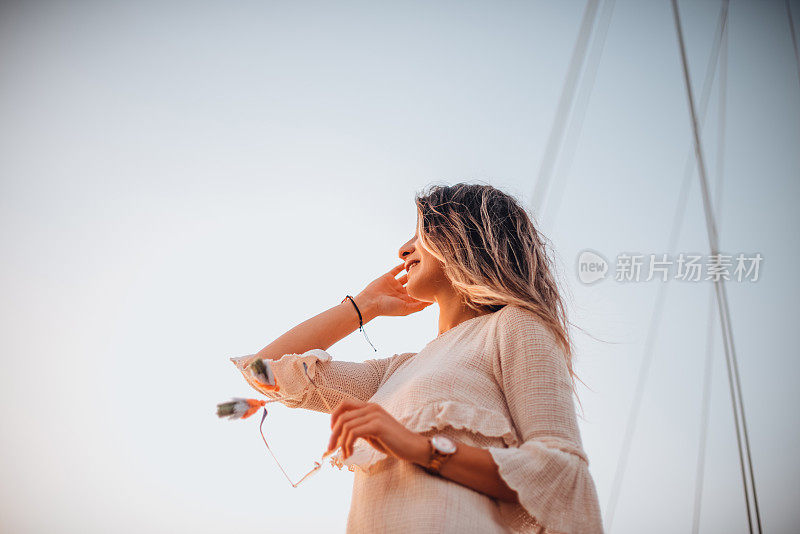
[498, 381]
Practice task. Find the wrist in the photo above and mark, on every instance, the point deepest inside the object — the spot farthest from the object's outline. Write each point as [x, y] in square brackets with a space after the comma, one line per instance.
[420, 450]
[367, 306]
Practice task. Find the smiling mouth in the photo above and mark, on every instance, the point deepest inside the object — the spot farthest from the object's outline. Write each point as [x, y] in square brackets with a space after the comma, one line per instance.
[412, 265]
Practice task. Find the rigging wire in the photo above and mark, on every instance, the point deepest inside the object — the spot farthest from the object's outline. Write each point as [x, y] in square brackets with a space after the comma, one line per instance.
[708, 370]
[719, 285]
[658, 306]
[579, 112]
[794, 37]
[564, 104]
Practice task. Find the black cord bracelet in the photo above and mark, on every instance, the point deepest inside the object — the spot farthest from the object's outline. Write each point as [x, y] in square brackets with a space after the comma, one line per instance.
[360, 320]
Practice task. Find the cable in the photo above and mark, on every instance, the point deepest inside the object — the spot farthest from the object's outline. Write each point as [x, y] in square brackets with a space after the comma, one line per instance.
[655, 318]
[579, 112]
[794, 37]
[708, 368]
[564, 104]
[722, 298]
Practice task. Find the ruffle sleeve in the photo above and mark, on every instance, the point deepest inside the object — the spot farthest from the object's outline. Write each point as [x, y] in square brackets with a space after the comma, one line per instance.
[434, 415]
[335, 380]
[548, 470]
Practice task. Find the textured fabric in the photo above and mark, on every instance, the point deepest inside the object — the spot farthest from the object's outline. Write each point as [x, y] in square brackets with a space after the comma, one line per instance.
[498, 381]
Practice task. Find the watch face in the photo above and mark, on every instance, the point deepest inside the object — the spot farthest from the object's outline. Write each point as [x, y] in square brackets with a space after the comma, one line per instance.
[443, 444]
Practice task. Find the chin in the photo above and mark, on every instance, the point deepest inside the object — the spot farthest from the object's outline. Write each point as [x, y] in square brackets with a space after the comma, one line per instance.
[411, 292]
[417, 295]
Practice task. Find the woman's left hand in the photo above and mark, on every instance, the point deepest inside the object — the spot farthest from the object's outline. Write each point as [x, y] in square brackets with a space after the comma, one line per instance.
[354, 418]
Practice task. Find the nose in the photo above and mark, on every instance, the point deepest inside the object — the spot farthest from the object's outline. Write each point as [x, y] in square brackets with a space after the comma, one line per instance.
[407, 248]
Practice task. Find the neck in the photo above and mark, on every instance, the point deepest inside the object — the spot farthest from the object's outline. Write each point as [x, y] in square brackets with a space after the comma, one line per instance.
[452, 312]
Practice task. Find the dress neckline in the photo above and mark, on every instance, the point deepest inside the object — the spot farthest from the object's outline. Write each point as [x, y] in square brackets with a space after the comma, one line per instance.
[470, 320]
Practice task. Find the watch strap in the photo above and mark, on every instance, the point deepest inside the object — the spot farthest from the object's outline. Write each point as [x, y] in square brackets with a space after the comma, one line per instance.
[437, 459]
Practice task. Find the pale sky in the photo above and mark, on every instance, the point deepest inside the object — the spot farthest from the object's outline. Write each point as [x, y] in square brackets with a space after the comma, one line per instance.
[184, 182]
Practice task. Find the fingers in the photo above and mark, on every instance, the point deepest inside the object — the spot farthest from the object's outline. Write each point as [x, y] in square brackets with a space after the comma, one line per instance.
[355, 419]
[396, 269]
[341, 423]
[345, 412]
[403, 279]
[347, 404]
[417, 305]
[353, 429]
[341, 436]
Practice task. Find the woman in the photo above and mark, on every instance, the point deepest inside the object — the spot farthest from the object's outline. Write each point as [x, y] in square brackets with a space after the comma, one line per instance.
[495, 386]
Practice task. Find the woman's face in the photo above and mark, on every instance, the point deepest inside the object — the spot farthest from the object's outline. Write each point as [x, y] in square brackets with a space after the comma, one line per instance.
[426, 278]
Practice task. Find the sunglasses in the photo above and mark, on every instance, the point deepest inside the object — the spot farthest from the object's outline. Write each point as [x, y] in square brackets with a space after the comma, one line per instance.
[243, 408]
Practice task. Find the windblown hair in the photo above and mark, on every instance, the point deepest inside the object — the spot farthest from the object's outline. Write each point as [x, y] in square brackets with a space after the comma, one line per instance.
[492, 253]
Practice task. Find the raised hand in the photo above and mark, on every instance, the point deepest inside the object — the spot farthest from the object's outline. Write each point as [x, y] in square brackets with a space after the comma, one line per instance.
[387, 295]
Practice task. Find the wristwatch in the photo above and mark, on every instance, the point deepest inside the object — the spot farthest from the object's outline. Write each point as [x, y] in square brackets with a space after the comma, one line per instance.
[442, 448]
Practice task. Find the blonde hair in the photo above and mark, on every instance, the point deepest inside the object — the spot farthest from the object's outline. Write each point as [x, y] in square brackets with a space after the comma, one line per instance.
[492, 253]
